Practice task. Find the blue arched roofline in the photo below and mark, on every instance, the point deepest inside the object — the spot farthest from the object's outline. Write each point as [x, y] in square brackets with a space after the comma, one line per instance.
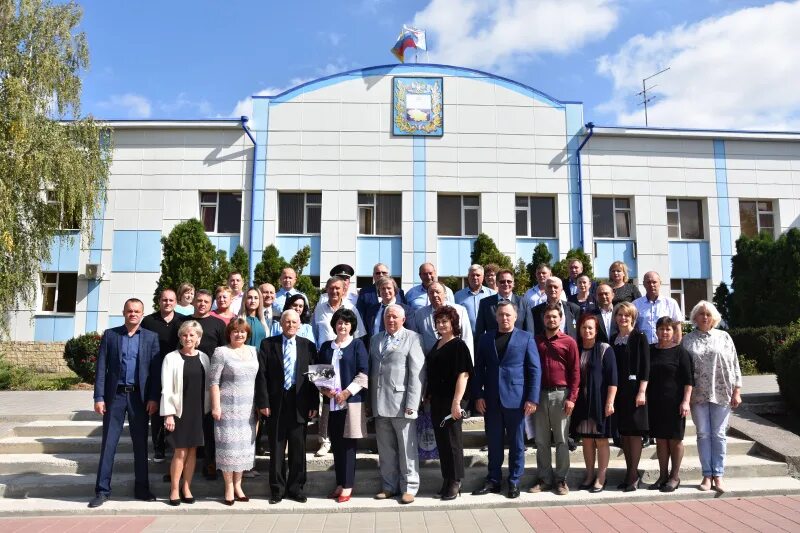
[401, 69]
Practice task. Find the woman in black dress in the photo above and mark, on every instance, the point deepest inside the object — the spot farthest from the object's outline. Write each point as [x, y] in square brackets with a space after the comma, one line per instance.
[633, 371]
[668, 394]
[449, 367]
[184, 401]
[590, 418]
[618, 279]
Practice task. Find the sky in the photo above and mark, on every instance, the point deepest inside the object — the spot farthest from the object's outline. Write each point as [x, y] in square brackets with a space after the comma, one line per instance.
[733, 64]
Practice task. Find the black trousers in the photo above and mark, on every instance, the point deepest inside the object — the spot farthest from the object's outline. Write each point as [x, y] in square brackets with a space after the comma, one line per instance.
[158, 432]
[210, 446]
[449, 440]
[284, 428]
[344, 450]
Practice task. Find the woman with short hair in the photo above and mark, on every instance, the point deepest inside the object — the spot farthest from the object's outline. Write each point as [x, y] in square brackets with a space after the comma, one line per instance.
[584, 297]
[298, 303]
[717, 389]
[184, 401]
[232, 382]
[619, 281]
[222, 297]
[185, 298]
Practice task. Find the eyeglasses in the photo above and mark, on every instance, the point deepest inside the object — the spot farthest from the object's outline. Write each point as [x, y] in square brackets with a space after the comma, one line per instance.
[506, 281]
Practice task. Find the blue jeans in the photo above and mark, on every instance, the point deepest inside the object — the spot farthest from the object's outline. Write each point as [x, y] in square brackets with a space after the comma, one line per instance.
[711, 422]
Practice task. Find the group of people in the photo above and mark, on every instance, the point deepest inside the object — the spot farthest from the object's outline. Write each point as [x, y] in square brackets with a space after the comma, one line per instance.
[569, 359]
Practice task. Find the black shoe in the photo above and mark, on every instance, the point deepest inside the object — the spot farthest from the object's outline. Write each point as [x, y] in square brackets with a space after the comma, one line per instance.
[261, 451]
[159, 456]
[174, 503]
[452, 492]
[99, 500]
[513, 491]
[275, 499]
[145, 496]
[667, 487]
[485, 448]
[184, 499]
[658, 484]
[571, 444]
[622, 485]
[630, 488]
[445, 484]
[587, 486]
[299, 497]
[487, 487]
[595, 490]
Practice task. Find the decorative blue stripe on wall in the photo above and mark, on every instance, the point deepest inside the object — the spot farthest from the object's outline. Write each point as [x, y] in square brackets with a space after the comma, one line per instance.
[95, 256]
[454, 255]
[136, 251]
[226, 243]
[64, 253]
[53, 328]
[371, 250]
[525, 247]
[289, 245]
[723, 207]
[689, 260]
[261, 119]
[420, 210]
[115, 320]
[574, 125]
[614, 250]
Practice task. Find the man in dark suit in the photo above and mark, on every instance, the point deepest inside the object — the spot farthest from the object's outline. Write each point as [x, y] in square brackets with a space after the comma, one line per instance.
[370, 295]
[373, 320]
[506, 388]
[127, 381]
[604, 296]
[571, 312]
[289, 400]
[487, 309]
[570, 283]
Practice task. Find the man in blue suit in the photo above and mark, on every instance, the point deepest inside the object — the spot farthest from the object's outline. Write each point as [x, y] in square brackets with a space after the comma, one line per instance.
[128, 380]
[506, 387]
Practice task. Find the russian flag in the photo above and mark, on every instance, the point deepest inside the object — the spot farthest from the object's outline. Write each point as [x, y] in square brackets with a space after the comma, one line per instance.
[408, 38]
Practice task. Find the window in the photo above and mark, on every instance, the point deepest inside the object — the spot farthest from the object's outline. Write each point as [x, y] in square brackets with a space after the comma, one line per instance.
[535, 216]
[67, 221]
[687, 292]
[59, 291]
[459, 215]
[756, 216]
[611, 217]
[299, 213]
[379, 214]
[684, 219]
[221, 212]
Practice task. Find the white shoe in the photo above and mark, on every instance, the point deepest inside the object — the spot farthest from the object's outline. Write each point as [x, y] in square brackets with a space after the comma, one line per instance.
[324, 449]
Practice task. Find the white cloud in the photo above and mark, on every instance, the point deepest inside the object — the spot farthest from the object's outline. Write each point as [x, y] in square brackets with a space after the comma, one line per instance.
[182, 103]
[501, 35]
[737, 71]
[245, 105]
[129, 104]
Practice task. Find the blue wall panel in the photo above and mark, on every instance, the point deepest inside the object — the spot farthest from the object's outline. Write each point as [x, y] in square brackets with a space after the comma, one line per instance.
[64, 253]
[228, 244]
[136, 251]
[371, 250]
[525, 247]
[454, 255]
[420, 210]
[288, 246]
[614, 250]
[689, 260]
[723, 208]
[115, 320]
[53, 328]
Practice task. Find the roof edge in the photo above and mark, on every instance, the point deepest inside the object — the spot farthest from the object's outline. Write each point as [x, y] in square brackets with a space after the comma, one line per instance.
[692, 133]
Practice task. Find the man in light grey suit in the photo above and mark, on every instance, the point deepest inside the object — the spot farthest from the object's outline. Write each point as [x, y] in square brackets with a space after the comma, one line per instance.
[422, 319]
[396, 374]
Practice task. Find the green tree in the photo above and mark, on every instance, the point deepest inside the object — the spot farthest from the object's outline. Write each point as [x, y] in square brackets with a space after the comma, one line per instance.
[45, 143]
[541, 254]
[188, 256]
[299, 262]
[522, 280]
[721, 300]
[561, 268]
[485, 251]
[453, 282]
[241, 263]
[268, 270]
[222, 269]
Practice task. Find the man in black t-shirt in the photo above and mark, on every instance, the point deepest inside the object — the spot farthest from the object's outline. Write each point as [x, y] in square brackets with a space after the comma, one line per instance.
[164, 323]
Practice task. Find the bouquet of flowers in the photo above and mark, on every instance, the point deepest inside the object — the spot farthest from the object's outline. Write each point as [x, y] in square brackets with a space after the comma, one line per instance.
[322, 376]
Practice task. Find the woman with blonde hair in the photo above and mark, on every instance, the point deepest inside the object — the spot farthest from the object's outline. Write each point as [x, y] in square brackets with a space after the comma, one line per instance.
[619, 281]
[252, 310]
[184, 401]
[717, 389]
[222, 299]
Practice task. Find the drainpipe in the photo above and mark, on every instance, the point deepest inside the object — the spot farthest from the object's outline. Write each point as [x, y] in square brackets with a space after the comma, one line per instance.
[250, 260]
[590, 126]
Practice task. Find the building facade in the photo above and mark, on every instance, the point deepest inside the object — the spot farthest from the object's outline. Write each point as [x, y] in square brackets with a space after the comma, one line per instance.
[408, 163]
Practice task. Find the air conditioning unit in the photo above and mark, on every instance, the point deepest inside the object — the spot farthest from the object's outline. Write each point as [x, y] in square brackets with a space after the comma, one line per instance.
[95, 271]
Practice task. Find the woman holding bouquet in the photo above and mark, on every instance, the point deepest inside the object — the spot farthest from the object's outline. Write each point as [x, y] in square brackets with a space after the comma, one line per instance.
[348, 421]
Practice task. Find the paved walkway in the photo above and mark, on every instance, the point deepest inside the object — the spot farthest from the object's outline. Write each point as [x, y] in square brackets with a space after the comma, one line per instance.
[768, 514]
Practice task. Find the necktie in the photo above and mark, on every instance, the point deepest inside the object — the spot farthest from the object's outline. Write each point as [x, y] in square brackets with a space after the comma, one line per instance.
[385, 343]
[380, 325]
[288, 364]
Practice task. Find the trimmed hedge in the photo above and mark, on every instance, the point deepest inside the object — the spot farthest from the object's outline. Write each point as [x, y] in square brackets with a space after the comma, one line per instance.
[760, 344]
[787, 368]
[80, 353]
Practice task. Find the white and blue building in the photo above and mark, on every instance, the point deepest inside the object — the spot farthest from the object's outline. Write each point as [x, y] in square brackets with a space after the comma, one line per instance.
[324, 164]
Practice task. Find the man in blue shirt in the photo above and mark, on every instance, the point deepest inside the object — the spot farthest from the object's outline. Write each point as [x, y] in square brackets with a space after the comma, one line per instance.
[470, 296]
[417, 296]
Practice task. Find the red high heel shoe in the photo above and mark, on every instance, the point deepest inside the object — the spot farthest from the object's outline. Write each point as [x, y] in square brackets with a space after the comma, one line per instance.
[343, 499]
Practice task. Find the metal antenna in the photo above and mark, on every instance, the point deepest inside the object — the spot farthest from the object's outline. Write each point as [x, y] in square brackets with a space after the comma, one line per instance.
[643, 94]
